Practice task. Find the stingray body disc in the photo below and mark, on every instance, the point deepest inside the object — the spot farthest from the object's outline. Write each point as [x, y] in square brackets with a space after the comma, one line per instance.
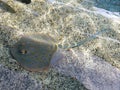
[34, 51]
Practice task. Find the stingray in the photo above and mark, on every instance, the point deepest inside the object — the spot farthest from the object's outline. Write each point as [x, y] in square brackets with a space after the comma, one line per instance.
[37, 52]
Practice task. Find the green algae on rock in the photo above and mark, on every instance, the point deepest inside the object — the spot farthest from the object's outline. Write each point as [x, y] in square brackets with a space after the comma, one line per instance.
[35, 52]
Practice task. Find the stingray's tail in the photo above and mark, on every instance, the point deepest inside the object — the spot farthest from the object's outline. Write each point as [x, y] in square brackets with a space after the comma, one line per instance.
[91, 37]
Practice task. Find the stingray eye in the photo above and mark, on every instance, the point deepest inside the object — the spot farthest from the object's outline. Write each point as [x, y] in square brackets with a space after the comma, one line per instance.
[23, 51]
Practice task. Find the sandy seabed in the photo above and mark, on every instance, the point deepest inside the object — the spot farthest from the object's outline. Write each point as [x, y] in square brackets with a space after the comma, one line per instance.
[95, 64]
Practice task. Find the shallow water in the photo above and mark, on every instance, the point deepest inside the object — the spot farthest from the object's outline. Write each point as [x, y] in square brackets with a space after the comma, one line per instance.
[95, 60]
